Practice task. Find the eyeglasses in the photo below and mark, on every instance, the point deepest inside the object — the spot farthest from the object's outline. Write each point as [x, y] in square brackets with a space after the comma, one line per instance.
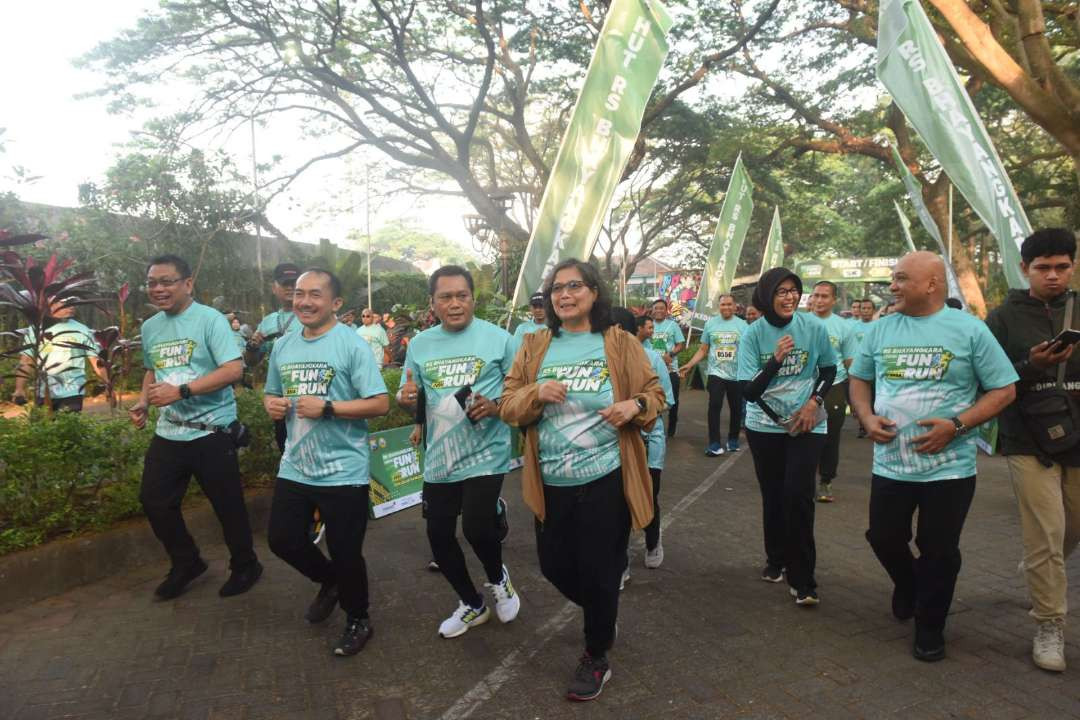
[784, 292]
[573, 286]
[152, 284]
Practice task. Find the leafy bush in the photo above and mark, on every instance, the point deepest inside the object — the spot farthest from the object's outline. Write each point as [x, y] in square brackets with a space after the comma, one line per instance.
[79, 472]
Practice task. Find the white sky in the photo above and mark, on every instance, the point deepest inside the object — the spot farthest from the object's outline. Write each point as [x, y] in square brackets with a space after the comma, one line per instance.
[67, 141]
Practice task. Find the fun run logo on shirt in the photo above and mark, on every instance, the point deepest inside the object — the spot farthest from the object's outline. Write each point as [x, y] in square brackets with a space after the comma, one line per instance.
[724, 345]
[306, 378]
[453, 372]
[793, 364]
[585, 377]
[916, 363]
[172, 354]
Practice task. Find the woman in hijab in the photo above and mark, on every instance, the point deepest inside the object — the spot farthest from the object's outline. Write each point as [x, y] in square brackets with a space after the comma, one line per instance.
[788, 365]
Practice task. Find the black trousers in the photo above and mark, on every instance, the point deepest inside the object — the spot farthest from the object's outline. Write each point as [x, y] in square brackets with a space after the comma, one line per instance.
[718, 389]
[167, 471]
[474, 498]
[652, 530]
[582, 549]
[785, 468]
[673, 411]
[68, 404]
[344, 512]
[280, 430]
[943, 505]
[836, 407]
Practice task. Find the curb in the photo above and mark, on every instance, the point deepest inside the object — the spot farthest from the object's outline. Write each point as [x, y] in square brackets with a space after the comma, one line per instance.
[61, 565]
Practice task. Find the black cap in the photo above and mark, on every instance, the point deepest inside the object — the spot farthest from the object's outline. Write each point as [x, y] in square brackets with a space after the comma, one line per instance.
[537, 298]
[286, 273]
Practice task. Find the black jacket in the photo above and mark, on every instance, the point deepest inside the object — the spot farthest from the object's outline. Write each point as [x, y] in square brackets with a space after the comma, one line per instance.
[1020, 323]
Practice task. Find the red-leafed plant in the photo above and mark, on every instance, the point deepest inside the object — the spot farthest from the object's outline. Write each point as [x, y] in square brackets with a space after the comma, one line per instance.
[114, 351]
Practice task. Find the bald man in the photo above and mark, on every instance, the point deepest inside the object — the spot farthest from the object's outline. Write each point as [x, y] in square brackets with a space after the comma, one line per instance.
[373, 334]
[926, 361]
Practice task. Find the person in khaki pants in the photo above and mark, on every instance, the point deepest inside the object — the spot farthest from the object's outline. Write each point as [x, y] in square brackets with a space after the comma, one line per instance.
[1047, 488]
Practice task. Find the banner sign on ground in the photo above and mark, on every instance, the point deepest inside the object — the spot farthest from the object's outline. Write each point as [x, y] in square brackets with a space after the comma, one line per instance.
[841, 270]
[397, 471]
[604, 126]
[774, 246]
[726, 245]
[914, 67]
[915, 196]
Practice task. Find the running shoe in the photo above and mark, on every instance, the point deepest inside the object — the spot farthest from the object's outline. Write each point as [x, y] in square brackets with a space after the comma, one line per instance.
[824, 493]
[433, 565]
[464, 618]
[929, 645]
[654, 558]
[323, 604]
[772, 573]
[507, 601]
[178, 578]
[806, 598]
[355, 636]
[714, 450]
[589, 678]
[733, 445]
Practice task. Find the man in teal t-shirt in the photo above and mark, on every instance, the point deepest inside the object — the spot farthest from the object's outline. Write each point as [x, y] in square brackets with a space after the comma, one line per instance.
[535, 322]
[720, 345]
[323, 382]
[842, 337]
[275, 325]
[928, 362]
[459, 366]
[373, 334]
[68, 345]
[668, 340]
[191, 364]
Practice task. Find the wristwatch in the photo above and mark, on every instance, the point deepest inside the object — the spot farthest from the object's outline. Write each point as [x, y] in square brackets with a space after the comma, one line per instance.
[961, 428]
[328, 410]
[818, 399]
[185, 391]
[640, 404]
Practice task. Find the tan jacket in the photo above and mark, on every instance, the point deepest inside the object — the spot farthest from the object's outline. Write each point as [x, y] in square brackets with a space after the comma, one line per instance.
[632, 376]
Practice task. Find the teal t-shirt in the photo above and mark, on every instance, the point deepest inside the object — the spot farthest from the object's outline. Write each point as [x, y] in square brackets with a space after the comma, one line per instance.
[524, 329]
[794, 382]
[281, 322]
[928, 367]
[375, 337]
[335, 366]
[240, 340]
[443, 362]
[722, 338]
[67, 345]
[577, 445]
[861, 328]
[666, 335]
[842, 337]
[656, 441]
[180, 348]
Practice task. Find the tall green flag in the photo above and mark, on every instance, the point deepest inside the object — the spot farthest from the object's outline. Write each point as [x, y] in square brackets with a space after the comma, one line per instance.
[727, 244]
[774, 245]
[603, 129]
[914, 67]
[906, 225]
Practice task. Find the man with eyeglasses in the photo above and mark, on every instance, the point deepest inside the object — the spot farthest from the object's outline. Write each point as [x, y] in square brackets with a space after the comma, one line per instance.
[456, 369]
[275, 325]
[535, 322]
[668, 340]
[373, 334]
[191, 364]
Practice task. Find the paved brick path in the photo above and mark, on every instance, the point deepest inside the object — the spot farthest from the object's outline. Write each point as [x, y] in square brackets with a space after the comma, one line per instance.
[701, 637]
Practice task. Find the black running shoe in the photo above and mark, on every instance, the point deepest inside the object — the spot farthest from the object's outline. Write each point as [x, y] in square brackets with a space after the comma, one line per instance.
[355, 636]
[502, 520]
[433, 565]
[805, 598]
[178, 578]
[772, 573]
[589, 678]
[323, 604]
[242, 580]
[929, 645]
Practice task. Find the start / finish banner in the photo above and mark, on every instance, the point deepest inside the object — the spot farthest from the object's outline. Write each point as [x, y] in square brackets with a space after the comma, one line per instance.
[727, 244]
[841, 270]
[912, 64]
[604, 126]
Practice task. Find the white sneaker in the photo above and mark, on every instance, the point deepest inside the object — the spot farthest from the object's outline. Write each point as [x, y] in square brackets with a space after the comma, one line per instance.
[463, 618]
[1048, 649]
[507, 601]
[654, 558]
[625, 577]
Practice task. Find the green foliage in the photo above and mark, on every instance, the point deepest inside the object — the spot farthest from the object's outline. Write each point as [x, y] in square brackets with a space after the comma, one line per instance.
[402, 241]
[396, 417]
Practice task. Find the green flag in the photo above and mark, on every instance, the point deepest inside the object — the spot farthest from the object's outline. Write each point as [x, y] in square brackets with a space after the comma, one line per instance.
[906, 225]
[914, 67]
[603, 128]
[726, 245]
[774, 245]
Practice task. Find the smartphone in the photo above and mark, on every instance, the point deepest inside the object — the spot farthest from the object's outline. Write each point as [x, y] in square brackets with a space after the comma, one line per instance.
[1066, 338]
[464, 396]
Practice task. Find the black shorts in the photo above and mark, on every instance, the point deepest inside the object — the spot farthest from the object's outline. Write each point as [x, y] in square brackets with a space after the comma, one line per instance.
[446, 499]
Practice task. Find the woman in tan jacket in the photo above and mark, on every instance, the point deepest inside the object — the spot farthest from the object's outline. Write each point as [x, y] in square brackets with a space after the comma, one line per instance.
[582, 391]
